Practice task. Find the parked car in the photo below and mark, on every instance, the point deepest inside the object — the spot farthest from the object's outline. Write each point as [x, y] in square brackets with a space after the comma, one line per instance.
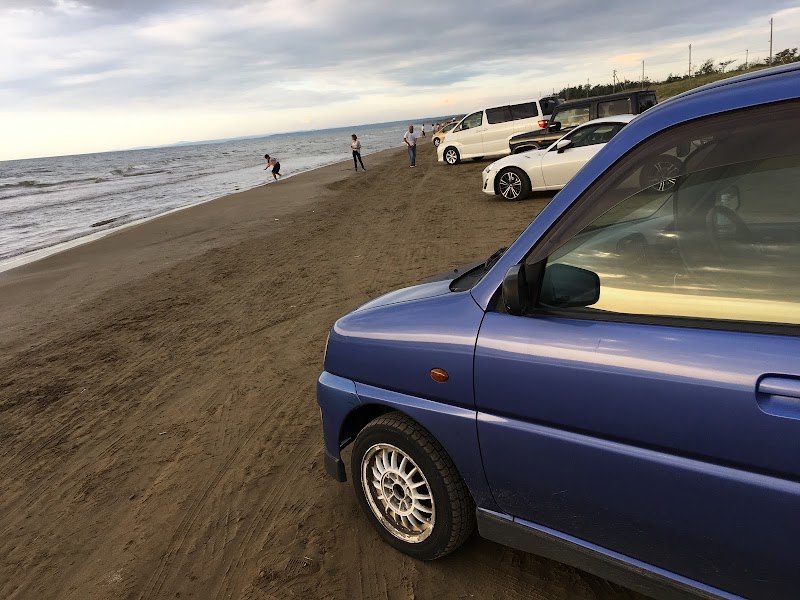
[515, 177]
[620, 388]
[568, 115]
[439, 135]
[486, 132]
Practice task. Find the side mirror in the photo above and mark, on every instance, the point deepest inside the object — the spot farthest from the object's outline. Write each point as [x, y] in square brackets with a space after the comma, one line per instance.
[515, 291]
[565, 286]
[556, 126]
[562, 145]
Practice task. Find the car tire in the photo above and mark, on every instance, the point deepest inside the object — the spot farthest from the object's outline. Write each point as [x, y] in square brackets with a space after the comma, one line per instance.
[528, 148]
[437, 141]
[661, 176]
[394, 456]
[451, 156]
[513, 184]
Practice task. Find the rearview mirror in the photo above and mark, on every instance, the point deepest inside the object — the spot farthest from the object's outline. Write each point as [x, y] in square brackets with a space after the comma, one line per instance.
[562, 145]
[554, 127]
[565, 286]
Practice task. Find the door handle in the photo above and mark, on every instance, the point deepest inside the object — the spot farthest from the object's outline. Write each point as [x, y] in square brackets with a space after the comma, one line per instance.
[779, 396]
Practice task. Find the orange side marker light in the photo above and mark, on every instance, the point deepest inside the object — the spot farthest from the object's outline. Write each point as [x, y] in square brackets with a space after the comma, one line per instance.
[439, 375]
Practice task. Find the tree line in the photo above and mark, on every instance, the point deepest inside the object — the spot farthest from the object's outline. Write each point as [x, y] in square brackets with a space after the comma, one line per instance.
[789, 55]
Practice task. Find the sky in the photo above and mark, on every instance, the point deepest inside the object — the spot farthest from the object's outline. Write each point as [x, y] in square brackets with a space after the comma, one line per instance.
[82, 76]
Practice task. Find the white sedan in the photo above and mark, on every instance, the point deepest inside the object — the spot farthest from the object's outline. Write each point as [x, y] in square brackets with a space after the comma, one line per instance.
[515, 177]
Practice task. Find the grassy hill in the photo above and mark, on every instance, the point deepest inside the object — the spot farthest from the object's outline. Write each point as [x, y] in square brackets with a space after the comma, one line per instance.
[667, 90]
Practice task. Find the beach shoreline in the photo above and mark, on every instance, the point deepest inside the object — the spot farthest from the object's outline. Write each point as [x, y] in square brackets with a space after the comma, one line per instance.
[157, 391]
[14, 262]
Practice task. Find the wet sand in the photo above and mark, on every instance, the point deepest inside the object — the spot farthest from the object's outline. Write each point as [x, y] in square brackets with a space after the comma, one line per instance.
[159, 428]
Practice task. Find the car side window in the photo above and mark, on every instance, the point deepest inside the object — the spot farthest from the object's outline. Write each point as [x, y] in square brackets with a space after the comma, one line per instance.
[591, 135]
[527, 110]
[548, 105]
[613, 108]
[572, 117]
[717, 239]
[646, 101]
[470, 121]
[501, 114]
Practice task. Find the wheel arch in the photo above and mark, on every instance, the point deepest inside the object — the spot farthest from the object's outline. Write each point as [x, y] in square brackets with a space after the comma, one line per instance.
[453, 147]
[503, 170]
[454, 428]
[360, 417]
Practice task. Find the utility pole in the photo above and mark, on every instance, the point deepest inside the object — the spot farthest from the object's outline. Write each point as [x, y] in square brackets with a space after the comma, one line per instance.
[642, 74]
[770, 42]
[690, 60]
[746, 58]
[587, 87]
[614, 81]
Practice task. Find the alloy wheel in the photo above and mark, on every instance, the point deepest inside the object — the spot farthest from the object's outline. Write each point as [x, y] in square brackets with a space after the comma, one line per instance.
[398, 493]
[510, 185]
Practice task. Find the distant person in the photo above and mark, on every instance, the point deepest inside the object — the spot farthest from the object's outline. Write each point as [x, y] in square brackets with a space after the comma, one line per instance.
[423, 130]
[355, 145]
[410, 140]
[276, 166]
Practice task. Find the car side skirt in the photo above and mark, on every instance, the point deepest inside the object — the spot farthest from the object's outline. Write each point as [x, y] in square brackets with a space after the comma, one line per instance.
[628, 572]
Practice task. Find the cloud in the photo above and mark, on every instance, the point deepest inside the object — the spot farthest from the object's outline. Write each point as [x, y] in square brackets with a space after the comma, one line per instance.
[329, 55]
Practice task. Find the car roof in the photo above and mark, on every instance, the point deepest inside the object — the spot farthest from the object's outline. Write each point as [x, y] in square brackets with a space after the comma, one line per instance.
[757, 89]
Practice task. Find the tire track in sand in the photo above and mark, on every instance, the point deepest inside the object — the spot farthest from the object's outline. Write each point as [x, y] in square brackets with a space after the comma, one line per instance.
[157, 579]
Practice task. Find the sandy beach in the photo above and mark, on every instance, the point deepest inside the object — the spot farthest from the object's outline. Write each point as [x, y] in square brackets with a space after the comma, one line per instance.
[160, 433]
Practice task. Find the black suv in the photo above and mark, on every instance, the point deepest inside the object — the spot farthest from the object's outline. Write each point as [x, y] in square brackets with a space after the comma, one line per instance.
[568, 115]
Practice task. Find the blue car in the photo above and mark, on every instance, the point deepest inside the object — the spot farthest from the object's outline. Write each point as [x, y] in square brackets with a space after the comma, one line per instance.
[618, 390]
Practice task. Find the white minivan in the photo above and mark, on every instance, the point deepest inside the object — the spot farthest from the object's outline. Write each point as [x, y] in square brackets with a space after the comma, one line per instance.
[486, 132]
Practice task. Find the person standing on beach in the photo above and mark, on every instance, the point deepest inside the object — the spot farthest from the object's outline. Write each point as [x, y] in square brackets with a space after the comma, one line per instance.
[355, 145]
[276, 166]
[423, 130]
[410, 140]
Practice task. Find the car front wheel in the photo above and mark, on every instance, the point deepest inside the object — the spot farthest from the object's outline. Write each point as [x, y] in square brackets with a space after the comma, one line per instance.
[451, 156]
[513, 184]
[409, 488]
[436, 142]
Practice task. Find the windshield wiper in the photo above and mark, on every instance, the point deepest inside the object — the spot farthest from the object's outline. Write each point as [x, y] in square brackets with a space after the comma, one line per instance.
[492, 260]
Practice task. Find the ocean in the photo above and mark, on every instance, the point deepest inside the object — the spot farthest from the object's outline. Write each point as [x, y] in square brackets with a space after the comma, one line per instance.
[46, 203]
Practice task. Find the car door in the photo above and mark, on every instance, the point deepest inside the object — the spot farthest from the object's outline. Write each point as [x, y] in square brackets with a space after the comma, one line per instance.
[498, 130]
[469, 135]
[559, 166]
[660, 420]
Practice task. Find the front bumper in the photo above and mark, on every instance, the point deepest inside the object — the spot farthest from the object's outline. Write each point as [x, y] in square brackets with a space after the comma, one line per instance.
[488, 182]
[336, 397]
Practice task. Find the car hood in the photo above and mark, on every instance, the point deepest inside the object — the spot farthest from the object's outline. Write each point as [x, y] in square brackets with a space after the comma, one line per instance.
[514, 159]
[416, 292]
[438, 285]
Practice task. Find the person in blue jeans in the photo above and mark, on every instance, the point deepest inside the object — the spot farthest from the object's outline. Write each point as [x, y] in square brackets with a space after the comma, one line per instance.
[410, 140]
